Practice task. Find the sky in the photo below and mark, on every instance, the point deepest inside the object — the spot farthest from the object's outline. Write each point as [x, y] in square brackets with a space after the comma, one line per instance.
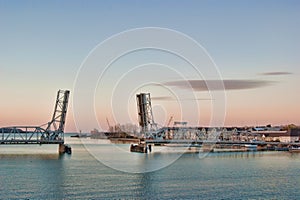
[252, 45]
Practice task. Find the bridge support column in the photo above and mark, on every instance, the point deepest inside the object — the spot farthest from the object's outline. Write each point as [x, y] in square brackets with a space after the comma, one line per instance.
[63, 148]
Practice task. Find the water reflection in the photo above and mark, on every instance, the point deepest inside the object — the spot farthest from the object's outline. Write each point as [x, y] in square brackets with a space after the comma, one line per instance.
[32, 156]
[81, 176]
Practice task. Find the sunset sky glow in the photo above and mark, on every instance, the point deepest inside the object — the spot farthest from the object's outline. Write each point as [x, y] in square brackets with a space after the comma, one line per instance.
[254, 44]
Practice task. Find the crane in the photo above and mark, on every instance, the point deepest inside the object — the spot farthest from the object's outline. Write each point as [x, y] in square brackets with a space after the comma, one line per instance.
[169, 122]
[109, 127]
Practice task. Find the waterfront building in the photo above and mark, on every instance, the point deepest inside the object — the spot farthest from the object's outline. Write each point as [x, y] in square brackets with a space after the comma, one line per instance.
[293, 135]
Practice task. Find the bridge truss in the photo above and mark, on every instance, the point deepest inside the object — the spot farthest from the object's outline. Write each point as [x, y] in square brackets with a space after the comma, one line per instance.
[145, 114]
[50, 133]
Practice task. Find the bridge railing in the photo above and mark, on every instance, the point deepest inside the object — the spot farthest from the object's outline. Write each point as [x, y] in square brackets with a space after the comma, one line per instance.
[29, 135]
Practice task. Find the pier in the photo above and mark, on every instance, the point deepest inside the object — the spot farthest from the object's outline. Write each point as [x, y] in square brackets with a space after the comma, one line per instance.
[228, 145]
[201, 142]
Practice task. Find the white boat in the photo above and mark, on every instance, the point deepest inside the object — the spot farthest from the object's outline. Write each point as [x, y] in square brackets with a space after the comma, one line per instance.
[294, 149]
[228, 150]
[251, 146]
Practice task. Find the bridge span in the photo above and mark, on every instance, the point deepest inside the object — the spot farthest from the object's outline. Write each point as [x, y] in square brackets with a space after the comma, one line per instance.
[49, 133]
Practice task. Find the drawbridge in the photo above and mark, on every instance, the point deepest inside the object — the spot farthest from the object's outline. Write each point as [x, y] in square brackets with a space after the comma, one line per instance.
[206, 138]
[49, 133]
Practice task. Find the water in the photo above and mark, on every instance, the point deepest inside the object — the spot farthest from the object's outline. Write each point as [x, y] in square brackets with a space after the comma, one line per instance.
[248, 175]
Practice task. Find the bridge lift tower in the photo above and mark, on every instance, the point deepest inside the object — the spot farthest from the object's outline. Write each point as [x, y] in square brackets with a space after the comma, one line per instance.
[49, 133]
[57, 124]
[145, 114]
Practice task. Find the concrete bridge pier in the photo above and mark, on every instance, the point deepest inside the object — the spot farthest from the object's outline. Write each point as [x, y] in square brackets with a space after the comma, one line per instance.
[64, 148]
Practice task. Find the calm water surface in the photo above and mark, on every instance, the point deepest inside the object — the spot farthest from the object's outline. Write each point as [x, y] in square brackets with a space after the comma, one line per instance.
[252, 175]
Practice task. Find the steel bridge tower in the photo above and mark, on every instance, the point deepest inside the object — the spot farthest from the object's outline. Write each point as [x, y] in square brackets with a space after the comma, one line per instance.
[57, 124]
[145, 115]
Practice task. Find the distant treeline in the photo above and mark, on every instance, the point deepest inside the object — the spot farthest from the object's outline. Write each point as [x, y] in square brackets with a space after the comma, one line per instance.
[108, 135]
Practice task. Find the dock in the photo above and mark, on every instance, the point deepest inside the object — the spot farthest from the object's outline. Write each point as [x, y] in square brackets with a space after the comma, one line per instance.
[226, 146]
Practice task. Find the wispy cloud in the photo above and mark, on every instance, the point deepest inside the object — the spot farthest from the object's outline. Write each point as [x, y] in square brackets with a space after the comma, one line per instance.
[169, 98]
[162, 98]
[198, 99]
[214, 85]
[275, 73]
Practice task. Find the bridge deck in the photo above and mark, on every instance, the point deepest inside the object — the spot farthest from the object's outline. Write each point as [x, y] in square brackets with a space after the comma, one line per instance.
[29, 135]
[31, 142]
[200, 142]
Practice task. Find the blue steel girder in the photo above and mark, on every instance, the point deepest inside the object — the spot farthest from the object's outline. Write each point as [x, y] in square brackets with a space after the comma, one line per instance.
[29, 135]
[176, 133]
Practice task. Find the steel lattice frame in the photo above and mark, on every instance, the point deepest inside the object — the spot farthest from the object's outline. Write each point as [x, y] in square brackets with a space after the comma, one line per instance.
[145, 115]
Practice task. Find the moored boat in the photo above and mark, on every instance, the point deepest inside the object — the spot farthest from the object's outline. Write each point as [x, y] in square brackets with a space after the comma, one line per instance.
[251, 147]
[294, 149]
[140, 148]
